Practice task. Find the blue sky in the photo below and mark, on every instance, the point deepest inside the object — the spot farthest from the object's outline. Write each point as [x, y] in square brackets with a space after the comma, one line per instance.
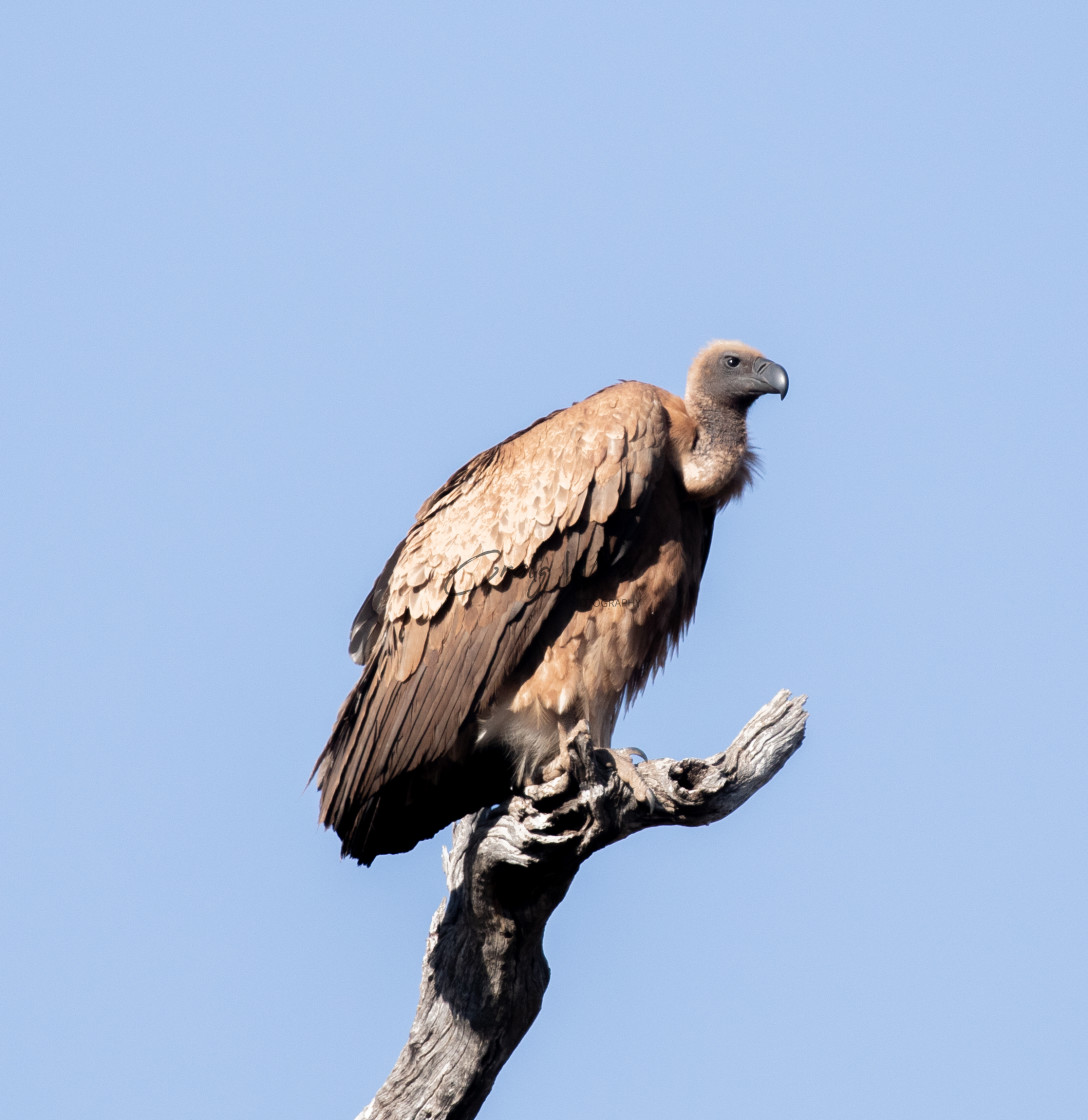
[272, 272]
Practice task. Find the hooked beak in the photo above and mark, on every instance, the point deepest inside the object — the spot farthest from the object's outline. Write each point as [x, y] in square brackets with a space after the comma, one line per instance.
[773, 376]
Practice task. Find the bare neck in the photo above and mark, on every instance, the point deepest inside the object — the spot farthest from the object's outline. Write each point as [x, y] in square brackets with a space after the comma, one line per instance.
[716, 467]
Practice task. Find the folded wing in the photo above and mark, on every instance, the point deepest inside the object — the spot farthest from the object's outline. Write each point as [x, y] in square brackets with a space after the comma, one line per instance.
[491, 557]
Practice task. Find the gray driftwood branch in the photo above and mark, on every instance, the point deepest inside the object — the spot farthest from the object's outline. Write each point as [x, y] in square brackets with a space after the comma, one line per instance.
[484, 971]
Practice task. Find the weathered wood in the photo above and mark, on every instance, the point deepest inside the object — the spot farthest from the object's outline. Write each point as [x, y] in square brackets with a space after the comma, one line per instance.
[484, 971]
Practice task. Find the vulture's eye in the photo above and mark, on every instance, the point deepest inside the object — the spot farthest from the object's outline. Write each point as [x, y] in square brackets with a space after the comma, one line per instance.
[732, 362]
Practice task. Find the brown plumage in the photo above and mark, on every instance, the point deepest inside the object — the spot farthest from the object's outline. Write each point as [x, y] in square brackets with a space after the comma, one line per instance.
[541, 585]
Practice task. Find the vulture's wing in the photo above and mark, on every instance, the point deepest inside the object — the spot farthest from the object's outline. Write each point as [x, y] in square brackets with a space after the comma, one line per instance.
[465, 594]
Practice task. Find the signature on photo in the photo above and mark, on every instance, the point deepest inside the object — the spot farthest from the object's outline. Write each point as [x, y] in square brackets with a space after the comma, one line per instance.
[539, 573]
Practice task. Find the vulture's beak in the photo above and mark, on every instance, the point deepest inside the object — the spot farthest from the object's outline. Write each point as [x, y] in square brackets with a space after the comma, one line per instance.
[773, 376]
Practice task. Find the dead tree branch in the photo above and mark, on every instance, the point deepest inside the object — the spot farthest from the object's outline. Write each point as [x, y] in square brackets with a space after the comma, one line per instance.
[484, 971]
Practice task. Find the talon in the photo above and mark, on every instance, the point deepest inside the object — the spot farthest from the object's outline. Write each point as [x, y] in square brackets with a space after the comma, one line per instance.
[633, 750]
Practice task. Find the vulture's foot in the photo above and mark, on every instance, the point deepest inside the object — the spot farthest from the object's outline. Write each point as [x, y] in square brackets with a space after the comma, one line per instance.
[628, 772]
[555, 779]
[550, 790]
[559, 765]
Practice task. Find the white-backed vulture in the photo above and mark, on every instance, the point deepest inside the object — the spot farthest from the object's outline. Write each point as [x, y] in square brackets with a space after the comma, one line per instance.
[541, 585]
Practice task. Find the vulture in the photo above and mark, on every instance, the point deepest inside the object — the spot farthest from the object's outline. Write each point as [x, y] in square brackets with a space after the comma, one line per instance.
[542, 585]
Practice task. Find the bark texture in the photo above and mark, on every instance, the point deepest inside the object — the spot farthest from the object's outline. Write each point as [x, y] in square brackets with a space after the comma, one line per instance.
[484, 971]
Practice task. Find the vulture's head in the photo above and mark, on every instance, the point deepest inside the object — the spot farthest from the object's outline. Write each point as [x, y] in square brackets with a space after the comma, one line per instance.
[734, 374]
